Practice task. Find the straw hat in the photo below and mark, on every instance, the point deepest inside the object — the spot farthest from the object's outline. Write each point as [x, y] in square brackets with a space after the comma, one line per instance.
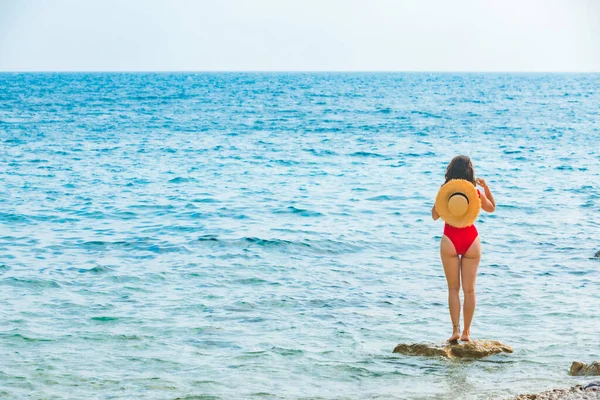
[458, 203]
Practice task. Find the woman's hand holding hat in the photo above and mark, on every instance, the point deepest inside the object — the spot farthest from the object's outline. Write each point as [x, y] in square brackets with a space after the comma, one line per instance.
[458, 203]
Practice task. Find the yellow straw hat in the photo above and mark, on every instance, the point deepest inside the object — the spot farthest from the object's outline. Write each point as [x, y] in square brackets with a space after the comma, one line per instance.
[458, 203]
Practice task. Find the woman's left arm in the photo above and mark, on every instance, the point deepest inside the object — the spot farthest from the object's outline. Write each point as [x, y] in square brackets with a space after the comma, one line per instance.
[487, 200]
[434, 213]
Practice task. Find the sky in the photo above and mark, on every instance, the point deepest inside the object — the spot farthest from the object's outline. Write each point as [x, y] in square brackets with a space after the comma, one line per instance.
[300, 35]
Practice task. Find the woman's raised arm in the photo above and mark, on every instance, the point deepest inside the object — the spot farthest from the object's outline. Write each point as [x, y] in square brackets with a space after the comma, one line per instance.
[487, 200]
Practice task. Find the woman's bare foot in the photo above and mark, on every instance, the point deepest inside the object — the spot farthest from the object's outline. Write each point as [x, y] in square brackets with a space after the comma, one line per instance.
[466, 336]
[455, 334]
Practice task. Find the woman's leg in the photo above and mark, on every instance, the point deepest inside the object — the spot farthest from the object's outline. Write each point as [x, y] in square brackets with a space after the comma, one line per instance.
[470, 263]
[451, 264]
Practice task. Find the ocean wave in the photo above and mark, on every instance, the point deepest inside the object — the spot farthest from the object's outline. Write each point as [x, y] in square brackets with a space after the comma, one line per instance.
[366, 154]
[298, 211]
[144, 244]
[385, 197]
[309, 245]
[37, 283]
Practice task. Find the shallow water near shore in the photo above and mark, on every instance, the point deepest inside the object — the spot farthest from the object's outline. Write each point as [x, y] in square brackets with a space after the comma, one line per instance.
[269, 235]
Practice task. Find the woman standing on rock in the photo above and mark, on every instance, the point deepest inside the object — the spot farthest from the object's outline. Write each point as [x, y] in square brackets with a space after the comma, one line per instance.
[458, 203]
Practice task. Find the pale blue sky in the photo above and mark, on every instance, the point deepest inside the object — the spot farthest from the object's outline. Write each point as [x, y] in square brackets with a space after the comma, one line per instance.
[321, 35]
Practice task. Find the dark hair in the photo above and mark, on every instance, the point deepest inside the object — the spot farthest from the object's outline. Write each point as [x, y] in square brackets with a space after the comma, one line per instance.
[460, 168]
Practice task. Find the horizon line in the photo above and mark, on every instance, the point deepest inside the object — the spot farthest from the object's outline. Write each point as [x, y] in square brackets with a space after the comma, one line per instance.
[310, 71]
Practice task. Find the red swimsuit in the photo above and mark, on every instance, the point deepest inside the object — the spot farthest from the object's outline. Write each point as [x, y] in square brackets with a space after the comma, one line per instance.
[461, 238]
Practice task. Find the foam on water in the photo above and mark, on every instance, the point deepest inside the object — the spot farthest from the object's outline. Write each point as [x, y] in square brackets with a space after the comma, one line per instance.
[269, 235]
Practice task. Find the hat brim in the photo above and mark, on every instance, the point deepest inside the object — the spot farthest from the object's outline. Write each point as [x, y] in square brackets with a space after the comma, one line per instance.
[458, 186]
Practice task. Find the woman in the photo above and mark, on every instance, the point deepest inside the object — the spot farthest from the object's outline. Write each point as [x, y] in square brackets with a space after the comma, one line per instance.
[460, 250]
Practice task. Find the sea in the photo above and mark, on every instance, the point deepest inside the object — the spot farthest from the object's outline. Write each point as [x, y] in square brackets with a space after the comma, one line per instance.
[269, 235]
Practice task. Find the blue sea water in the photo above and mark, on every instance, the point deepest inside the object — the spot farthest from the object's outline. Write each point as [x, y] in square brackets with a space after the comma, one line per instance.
[255, 235]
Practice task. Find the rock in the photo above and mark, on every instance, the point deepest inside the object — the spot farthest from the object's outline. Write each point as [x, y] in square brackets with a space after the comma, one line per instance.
[593, 386]
[597, 254]
[478, 349]
[582, 369]
[418, 349]
[589, 392]
[474, 349]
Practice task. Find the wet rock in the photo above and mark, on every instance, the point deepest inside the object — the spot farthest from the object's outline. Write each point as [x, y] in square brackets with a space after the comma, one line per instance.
[417, 349]
[474, 349]
[582, 369]
[597, 254]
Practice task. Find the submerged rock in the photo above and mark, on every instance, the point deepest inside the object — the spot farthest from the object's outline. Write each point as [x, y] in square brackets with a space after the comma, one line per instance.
[582, 369]
[474, 349]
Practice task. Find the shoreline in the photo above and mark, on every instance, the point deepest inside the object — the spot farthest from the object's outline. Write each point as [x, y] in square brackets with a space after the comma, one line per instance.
[590, 391]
